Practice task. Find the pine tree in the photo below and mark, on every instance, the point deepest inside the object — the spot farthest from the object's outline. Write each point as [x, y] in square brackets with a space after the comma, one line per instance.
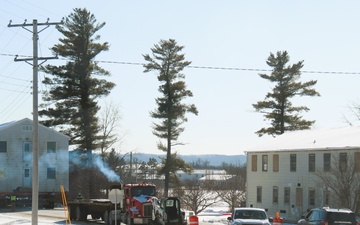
[277, 107]
[70, 103]
[167, 61]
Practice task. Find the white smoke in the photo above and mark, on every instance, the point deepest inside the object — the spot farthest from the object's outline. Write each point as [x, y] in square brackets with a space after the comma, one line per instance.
[110, 174]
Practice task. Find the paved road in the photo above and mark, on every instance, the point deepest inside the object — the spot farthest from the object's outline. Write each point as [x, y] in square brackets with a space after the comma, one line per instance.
[58, 216]
[45, 217]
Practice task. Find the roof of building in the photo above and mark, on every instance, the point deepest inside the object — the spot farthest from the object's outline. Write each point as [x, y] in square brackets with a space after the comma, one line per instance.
[203, 171]
[12, 123]
[315, 139]
[216, 177]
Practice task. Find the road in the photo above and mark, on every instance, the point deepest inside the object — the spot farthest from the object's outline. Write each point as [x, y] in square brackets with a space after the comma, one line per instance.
[58, 216]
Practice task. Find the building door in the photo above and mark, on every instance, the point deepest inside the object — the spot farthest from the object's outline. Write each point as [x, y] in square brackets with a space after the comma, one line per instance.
[27, 178]
[299, 199]
[27, 158]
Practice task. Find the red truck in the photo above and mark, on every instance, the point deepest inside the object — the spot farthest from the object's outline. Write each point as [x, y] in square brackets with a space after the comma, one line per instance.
[131, 204]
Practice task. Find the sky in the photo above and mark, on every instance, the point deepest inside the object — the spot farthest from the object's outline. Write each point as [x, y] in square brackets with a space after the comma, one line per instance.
[228, 43]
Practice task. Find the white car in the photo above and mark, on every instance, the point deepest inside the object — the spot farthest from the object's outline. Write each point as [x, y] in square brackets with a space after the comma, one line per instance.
[253, 216]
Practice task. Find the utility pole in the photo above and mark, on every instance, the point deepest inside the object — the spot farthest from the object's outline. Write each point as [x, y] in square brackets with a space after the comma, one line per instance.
[35, 154]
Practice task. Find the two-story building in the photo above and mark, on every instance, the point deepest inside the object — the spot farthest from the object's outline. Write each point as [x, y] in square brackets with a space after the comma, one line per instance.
[282, 173]
[16, 140]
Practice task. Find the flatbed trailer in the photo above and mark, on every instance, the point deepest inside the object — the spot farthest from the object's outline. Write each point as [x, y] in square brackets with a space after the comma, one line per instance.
[79, 209]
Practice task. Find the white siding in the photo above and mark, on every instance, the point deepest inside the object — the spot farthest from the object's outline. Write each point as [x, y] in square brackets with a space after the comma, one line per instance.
[14, 163]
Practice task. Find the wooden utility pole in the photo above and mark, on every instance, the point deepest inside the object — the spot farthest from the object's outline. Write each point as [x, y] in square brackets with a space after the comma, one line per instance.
[35, 153]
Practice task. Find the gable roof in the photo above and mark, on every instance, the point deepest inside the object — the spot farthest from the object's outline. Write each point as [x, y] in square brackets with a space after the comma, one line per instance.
[13, 123]
[326, 139]
[7, 124]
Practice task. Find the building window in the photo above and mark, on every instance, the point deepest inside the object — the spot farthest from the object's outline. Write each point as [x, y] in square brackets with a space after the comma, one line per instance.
[275, 163]
[3, 146]
[311, 197]
[326, 196]
[292, 162]
[259, 194]
[286, 195]
[51, 173]
[312, 162]
[327, 162]
[51, 146]
[27, 173]
[264, 163]
[254, 163]
[343, 161]
[2, 172]
[26, 127]
[275, 195]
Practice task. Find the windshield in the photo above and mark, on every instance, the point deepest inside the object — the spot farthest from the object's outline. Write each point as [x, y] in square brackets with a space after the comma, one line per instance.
[250, 214]
[338, 216]
[137, 191]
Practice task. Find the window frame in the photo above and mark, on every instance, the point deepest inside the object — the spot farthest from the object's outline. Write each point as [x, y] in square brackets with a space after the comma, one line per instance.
[254, 163]
[311, 195]
[275, 195]
[327, 162]
[343, 157]
[3, 146]
[51, 173]
[265, 163]
[276, 163]
[287, 195]
[292, 162]
[258, 194]
[312, 161]
[51, 149]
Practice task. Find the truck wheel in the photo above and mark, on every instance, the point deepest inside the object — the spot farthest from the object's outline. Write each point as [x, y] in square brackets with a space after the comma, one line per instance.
[72, 212]
[80, 214]
[111, 221]
[105, 218]
[129, 220]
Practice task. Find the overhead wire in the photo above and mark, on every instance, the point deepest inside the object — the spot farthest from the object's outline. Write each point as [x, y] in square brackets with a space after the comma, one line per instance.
[232, 68]
[15, 104]
[215, 67]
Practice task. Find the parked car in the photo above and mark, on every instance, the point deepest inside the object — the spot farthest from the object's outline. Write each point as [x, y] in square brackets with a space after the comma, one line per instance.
[253, 216]
[328, 216]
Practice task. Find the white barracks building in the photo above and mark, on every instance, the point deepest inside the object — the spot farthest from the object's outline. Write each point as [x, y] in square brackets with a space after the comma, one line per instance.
[281, 172]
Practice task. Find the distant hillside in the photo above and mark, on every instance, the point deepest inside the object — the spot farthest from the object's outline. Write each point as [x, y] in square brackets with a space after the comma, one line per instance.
[214, 160]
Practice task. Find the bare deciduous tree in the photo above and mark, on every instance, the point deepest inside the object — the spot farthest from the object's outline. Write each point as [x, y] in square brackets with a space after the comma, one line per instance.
[232, 191]
[355, 111]
[194, 197]
[108, 124]
[342, 180]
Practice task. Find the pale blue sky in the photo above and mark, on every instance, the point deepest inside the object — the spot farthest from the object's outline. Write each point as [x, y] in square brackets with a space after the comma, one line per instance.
[230, 34]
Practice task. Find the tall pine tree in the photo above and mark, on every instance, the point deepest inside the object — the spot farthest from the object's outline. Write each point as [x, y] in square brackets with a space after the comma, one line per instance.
[70, 102]
[168, 62]
[277, 107]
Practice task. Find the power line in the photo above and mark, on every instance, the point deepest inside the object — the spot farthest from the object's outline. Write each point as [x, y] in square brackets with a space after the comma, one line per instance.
[235, 68]
[219, 68]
